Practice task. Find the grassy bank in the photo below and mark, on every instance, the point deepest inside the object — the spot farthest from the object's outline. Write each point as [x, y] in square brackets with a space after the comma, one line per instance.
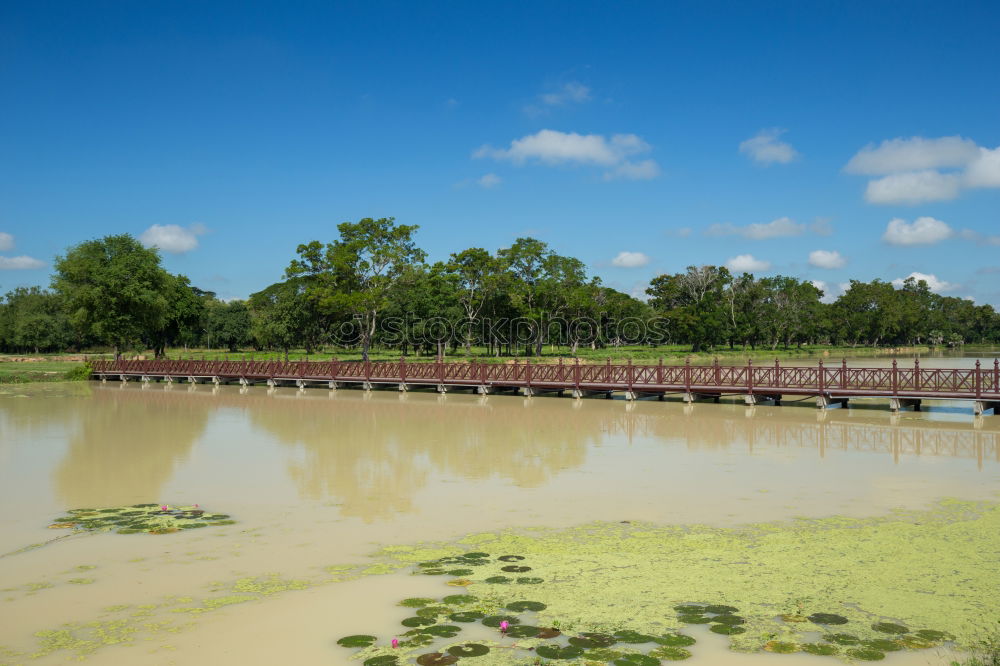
[41, 371]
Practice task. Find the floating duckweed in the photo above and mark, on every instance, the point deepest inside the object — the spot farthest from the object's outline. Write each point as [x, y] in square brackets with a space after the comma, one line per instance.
[523, 631]
[866, 654]
[727, 630]
[602, 655]
[675, 640]
[842, 639]
[81, 581]
[720, 609]
[459, 599]
[433, 572]
[436, 659]
[357, 640]
[466, 616]
[629, 636]
[553, 651]
[670, 653]
[417, 622]
[469, 650]
[521, 606]
[384, 660]
[916, 642]
[827, 618]
[781, 647]
[793, 617]
[498, 580]
[495, 620]
[510, 558]
[418, 602]
[514, 568]
[442, 630]
[636, 660]
[889, 628]
[527, 580]
[822, 649]
[882, 645]
[436, 564]
[933, 634]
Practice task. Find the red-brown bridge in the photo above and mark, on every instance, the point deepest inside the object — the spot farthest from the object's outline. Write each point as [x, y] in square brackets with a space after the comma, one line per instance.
[828, 384]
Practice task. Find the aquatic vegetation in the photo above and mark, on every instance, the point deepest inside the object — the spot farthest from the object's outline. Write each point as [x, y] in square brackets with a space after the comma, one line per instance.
[436, 659]
[521, 606]
[467, 616]
[727, 630]
[358, 640]
[821, 649]
[417, 602]
[842, 639]
[865, 654]
[133, 519]
[890, 628]
[676, 640]
[781, 647]
[827, 618]
[670, 653]
[468, 650]
[882, 644]
[636, 660]
[555, 651]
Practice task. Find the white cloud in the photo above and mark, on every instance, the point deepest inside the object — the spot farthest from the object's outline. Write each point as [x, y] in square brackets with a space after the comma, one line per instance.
[913, 154]
[922, 231]
[779, 228]
[172, 238]
[489, 180]
[747, 263]
[913, 187]
[6, 242]
[984, 171]
[830, 291]
[933, 283]
[976, 237]
[570, 92]
[22, 263]
[827, 259]
[767, 149]
[630, 260]
[552, 147]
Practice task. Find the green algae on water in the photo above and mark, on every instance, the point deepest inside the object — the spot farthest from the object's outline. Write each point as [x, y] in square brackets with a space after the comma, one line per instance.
[133, 519]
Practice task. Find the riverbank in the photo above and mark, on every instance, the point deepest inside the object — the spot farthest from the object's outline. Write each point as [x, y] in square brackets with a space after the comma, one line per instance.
[35, 370]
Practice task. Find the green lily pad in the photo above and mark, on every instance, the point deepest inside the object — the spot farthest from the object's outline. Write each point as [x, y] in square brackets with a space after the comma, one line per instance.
[558, 651]
[731, 620]
[521, 606]
[523, 631]
[629, 636]
[866, 654]
[469, 650]
[890, 628]
[636, 660]
[515, 568]
[720, 609]
[460, 572]
[433, 572]
[842, 639]
[417, 602]
[781, 647]
[510, 558]
[670, 653]
[692, 609]
[357, 640]
[498, 580]
[882, 645]
[827, 618]
[476, 555]
[529, 580]
[495, 620]
[436, 564]
[603, 655]
[432, 611]
[675, 640]
[694, 619]
[934, 635]
[727, 630]
[417, 622]
[459, 599]
[822, 649]
[442, 630]
[466, 616]
[436, 659]
[417, 640]
[586, 642]
[382, 660]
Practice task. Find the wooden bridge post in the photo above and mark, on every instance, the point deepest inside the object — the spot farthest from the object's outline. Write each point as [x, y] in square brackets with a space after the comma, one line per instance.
[717, 373]
[687, 375]
[843, 373]
[777, 373]
[576, 375]
[822, 378]
[916, 374]
[996, 376]
[979, 380]
[750, 376]
[659, 372]
[629, 376]
[402, 370]
[895, 378]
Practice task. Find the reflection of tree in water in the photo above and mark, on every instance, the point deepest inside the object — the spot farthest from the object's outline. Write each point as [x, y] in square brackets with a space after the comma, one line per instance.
[375, 454]
[127, 444]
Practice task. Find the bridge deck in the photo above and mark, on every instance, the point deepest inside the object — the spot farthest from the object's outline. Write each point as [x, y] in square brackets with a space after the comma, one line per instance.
[830, 383]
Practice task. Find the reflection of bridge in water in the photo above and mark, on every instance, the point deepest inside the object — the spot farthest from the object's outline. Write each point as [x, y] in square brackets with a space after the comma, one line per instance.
[836, 384]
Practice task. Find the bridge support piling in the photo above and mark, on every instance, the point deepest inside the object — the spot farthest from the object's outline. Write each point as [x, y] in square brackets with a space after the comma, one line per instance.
[216, 380]
[192, 380]
[896, 404]
[483, 389]
[981, 406]
[696, 397]
[145, 379]
[123, 378]
[271, 383]
[527, 391]
[367, 386]
[244, 382]
[333, 386]
[752, 399]
[442, 388]
[823, 401]
[168, 379]
[404, 387]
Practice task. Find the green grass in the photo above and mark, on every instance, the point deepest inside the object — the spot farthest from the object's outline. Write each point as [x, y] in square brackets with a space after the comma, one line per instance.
[39, 371]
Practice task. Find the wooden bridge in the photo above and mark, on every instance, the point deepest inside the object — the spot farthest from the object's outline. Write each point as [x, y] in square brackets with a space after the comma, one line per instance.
[828, 384]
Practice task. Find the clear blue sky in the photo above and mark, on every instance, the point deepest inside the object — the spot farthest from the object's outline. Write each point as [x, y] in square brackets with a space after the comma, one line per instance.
[647, 135]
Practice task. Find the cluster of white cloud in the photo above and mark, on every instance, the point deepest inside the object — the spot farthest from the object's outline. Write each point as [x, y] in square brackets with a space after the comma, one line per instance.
[917, 170]
[746, 263]
[779, 228]
[933, 283]
[830, 290]
[572, 92]
[764, 147]
[922, 231]
[172, 238]
[22, 263]
[489, 180]
[827, 259]
[630, 260]
[553, 148]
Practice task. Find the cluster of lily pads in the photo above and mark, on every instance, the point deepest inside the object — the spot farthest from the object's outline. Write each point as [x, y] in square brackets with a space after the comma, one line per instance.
[519, 634]
[136, 518]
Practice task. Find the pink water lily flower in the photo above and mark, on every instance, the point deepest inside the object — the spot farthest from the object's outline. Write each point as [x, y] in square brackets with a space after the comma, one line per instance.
[163, 507]
[504, 626]
[395, 642]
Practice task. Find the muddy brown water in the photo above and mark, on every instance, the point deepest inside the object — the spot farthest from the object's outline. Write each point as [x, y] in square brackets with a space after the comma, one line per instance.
[319, 478]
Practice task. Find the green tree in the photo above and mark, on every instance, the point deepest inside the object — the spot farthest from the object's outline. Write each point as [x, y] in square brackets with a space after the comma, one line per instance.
[228, 324]
[33, 320]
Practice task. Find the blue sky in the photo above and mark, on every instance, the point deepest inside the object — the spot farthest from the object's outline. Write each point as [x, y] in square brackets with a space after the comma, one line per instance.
[817, 139]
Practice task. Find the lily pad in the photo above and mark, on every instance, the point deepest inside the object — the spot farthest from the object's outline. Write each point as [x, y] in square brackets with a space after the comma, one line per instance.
[442, 630]
[558, 651]
[827, 618]
[432, 611]
[602, 655]
[460, 572]
[459, 599]
[476, 555]
[357, 640]
[690, 608]
[882, 645]
[433, 572]
[842, 639]
[521, 606]
[781, 647]
[720, 609]
[510, 558]
[629, 636]
[916, 642]
[523, 631]
[417, 622]
[694, 619]
[469, 650]
[822, 649]
[466, 616]
[675, 640]
[731, 620]
[495, 620]
[670, 653]
[417, 602]
[934, 635]
[866, 654]
[727, 630]
[593, 641]
[548, 632]
[515, 568]
[383, 660]
[498, 580]
[528, 580]
[436, 659]
[636, 660]
[890, 628]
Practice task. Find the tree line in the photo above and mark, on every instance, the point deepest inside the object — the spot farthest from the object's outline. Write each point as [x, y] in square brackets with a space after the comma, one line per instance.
[372, 287]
